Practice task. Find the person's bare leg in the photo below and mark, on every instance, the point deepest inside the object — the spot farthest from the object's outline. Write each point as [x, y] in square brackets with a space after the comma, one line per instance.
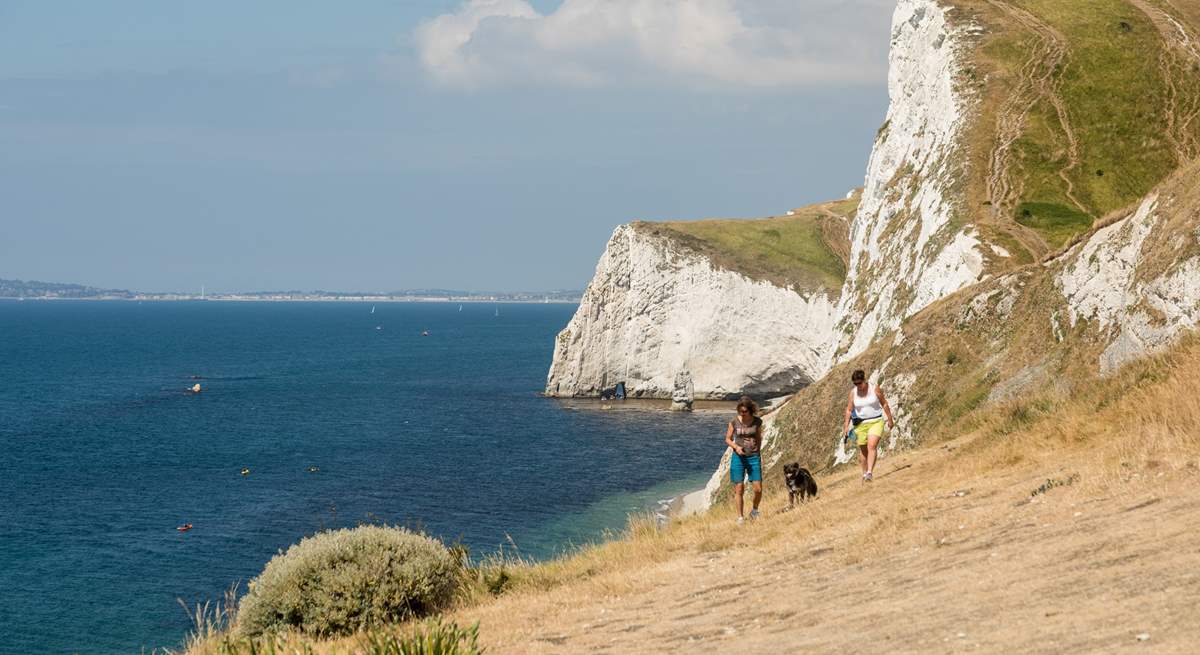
[757, 484]
[862, 457]
[737, 497]
[872, 447]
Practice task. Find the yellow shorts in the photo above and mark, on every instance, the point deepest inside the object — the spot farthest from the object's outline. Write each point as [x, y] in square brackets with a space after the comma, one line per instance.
[869, 428]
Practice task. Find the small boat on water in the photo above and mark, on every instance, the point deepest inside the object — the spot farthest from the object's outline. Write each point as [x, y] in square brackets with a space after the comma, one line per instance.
[424, 333]
[460, 308]
[372, 309]
[378, 327]
[245, 471]
[185, 527]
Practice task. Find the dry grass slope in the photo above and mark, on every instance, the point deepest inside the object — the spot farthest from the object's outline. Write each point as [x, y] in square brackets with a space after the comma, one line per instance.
[1059, 529]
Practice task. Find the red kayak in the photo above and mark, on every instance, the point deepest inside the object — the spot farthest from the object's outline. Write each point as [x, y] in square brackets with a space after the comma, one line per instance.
[185, 527]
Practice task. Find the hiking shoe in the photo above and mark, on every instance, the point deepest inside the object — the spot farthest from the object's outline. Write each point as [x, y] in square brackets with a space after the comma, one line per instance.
[740, 520]
[754, 514]
[867, 476]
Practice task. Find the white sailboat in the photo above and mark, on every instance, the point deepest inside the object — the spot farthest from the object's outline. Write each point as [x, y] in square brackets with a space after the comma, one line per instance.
[460, 308]
[497, 311]
[372, 309]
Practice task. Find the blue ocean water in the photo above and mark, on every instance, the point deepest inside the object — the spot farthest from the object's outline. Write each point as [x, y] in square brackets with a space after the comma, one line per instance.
[104, 453]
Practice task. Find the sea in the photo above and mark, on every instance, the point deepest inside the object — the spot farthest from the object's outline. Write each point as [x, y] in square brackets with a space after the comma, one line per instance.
[311, 416]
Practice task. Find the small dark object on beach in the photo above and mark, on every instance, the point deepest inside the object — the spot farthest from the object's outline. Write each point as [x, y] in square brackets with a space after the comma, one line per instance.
[800, 483]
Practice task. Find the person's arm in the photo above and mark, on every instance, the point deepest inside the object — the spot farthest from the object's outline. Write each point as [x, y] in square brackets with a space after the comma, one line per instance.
[729, 439]
[849, 411]
[887, 409]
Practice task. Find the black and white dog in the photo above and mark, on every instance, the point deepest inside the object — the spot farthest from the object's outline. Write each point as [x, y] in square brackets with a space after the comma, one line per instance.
[800, 483]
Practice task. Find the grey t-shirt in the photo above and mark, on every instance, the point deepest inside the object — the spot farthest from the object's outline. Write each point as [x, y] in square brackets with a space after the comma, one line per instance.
[747, 436]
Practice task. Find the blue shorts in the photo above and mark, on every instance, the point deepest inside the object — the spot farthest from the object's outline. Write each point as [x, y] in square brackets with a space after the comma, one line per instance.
[742, 465]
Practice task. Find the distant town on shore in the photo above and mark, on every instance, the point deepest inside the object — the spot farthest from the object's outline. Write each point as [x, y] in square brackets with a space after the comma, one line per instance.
[34, 290]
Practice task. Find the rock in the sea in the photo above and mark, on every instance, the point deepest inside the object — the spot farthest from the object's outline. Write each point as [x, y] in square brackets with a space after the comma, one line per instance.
[684, 394]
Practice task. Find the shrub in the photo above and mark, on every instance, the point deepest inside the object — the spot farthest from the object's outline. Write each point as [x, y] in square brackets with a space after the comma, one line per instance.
[338, 582]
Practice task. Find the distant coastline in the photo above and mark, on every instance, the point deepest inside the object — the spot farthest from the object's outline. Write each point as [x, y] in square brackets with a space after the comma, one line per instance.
[238, 298]
[33, 290]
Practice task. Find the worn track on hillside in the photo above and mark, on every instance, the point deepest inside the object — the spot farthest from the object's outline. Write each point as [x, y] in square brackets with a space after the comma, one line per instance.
[1179, 59]
[1037, 79]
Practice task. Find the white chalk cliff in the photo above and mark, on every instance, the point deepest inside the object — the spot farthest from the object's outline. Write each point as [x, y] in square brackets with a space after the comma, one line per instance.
[1139, 302]
[906, 251]
[655, 308]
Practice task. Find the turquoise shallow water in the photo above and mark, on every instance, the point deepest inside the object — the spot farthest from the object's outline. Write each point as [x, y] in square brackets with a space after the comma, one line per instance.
[104, 453]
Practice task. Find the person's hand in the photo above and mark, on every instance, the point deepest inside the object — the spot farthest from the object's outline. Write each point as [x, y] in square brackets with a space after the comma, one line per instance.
[891, 424]
[738, 450]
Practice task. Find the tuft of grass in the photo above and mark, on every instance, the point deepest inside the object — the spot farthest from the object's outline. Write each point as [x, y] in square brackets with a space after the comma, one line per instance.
[436, 638]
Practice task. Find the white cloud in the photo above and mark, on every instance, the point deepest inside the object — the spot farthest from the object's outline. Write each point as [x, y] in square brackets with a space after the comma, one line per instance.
[756, 43]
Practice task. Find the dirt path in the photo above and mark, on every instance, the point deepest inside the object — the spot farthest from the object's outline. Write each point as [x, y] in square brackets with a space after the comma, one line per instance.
[1179, 59]
[954, 569]
[1037, 79]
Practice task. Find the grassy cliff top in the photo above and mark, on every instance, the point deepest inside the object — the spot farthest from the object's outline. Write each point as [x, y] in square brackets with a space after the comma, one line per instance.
[1086, 106]
[806, 250]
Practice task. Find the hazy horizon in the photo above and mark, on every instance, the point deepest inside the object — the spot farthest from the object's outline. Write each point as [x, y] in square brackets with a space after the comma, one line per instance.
[489, 144]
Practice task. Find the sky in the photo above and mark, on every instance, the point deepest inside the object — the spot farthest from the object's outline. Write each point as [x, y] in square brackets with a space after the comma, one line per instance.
[399, 144]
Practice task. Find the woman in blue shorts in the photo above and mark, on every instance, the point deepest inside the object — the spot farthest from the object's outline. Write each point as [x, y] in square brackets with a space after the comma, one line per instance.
[744, 436]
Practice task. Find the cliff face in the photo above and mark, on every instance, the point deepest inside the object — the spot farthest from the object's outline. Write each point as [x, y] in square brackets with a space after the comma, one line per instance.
[655, 308]
[1136, 284]
[908, 244]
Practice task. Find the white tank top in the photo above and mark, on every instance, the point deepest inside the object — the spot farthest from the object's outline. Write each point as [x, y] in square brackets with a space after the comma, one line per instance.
[867, 407]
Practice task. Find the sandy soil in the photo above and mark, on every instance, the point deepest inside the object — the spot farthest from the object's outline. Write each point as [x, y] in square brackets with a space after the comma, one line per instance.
[912, 563]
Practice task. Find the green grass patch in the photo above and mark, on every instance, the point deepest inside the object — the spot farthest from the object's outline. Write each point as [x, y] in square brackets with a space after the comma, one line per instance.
[789, 251]
[1117, 100]
[1056, 223]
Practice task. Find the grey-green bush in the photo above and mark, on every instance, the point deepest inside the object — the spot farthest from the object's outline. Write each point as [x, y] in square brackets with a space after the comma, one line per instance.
[338, 582]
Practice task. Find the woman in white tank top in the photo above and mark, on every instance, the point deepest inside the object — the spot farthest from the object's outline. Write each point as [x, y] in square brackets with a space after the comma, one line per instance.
[866, 409]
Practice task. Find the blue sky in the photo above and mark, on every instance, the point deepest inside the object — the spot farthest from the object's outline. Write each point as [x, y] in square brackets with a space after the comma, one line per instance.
[489, 144]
